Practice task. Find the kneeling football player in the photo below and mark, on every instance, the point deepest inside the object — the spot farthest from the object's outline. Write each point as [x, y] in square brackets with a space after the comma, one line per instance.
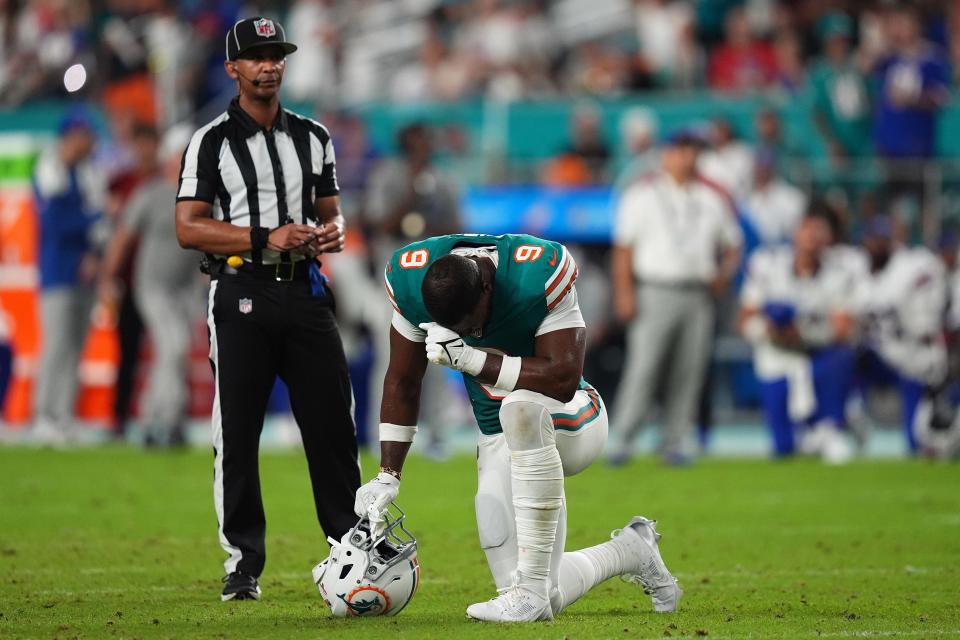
[503, 311]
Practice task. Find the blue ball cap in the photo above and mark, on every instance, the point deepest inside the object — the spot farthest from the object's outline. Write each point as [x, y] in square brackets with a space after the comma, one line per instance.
[686, 136]
[75, 118]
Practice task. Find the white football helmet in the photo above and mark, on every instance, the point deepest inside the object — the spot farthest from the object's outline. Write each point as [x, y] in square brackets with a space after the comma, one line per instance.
[365, 576]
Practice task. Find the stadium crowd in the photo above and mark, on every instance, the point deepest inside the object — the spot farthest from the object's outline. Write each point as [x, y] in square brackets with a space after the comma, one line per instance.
[837, 289]
[447, 50]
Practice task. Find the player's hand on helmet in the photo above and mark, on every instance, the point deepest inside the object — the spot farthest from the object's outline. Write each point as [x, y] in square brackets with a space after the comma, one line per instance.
[374, 498]
[446, 347]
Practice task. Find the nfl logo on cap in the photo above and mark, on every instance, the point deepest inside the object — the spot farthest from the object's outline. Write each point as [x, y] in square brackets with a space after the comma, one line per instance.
[256, 32]
[265, 28]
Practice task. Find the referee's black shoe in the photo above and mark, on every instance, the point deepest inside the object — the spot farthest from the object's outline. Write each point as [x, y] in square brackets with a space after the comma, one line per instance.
[240, 586]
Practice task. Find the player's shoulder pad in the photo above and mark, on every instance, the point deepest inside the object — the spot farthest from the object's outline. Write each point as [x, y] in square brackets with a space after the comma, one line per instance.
[404, 272]
[928, 265]
[546, 268]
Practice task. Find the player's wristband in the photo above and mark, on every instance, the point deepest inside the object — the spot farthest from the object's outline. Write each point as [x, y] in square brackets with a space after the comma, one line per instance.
[509, 373]
[472, 360]
[259, 237]
[396, 432]
[388, 472]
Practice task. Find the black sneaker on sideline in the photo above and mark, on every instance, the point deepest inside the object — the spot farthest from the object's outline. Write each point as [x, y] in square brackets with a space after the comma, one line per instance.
[240, 586]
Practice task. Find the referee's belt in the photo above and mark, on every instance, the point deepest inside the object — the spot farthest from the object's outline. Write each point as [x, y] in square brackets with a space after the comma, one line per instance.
[280, 271]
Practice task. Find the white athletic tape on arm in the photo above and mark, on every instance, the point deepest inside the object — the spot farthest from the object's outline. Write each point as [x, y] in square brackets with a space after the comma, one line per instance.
[396, 432]
[509, 373]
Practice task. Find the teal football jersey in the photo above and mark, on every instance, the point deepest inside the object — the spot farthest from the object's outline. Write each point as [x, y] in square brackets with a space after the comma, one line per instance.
[533, 276]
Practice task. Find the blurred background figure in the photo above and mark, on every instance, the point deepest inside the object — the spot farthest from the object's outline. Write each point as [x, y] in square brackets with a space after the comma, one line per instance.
[774, 206]
[912, 86]
[727, 160]
[584, 161]
[677, 246]
[639, 154]
[796, 310]
[902, 302]
[791, 72]
[742, 62]
[840, 91]
[137, 156]
[666, 32]
[409, 198]
[770, 135]
[165, 288]
[308, 77]
[70, 197]
[936, 423]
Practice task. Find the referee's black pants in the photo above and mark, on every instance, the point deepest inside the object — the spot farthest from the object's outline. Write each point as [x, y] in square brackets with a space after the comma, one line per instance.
[261, 328]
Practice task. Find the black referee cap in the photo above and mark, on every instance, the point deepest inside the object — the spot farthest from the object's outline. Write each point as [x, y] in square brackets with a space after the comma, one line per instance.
[256, 32]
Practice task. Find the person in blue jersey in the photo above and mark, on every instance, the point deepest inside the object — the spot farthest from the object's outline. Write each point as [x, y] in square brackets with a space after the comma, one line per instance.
[70, 196]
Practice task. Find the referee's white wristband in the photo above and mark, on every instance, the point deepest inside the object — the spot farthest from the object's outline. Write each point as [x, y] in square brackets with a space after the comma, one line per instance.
[396, 432]
[509, 373]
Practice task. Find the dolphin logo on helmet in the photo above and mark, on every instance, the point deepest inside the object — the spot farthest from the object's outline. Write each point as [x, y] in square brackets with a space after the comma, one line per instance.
[370, 576]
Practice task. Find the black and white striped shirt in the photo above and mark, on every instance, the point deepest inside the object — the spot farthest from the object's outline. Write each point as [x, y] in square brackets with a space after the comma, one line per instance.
[259, 178]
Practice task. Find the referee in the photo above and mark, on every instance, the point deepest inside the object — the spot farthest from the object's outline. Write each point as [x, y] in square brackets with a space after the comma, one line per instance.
[258, 195]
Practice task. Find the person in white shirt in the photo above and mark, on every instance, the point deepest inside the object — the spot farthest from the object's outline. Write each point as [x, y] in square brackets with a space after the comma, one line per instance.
[774, 206]
[728, 161]
[676, 247]
[902, 303]
[796, 311]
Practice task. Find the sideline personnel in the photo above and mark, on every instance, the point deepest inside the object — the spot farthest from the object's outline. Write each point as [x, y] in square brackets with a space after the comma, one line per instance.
[259, 183]
[676, 248]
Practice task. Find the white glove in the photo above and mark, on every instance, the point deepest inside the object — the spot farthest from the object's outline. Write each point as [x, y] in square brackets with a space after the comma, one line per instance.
[374, 498]
[447, 348]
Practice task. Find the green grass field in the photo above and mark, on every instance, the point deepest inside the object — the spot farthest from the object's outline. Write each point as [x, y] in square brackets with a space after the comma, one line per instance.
[115, 543]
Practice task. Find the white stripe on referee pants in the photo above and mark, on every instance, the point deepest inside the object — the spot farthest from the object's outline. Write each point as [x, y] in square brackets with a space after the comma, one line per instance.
[230, 565]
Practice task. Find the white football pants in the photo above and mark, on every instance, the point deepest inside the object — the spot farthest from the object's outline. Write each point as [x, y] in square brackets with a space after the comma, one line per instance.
[579, 430]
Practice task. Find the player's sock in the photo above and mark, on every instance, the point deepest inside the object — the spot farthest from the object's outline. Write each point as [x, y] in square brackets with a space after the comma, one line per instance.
[581, 571]
[537, 481]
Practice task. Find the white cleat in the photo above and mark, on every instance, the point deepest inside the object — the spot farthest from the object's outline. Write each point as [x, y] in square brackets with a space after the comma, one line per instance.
[639, 539]
[514, 604]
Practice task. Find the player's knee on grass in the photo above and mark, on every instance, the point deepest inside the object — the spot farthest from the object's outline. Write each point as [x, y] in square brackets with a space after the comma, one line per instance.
[525, 421]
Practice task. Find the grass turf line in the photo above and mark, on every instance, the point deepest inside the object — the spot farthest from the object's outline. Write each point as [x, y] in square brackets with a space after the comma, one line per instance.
[116, 543]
